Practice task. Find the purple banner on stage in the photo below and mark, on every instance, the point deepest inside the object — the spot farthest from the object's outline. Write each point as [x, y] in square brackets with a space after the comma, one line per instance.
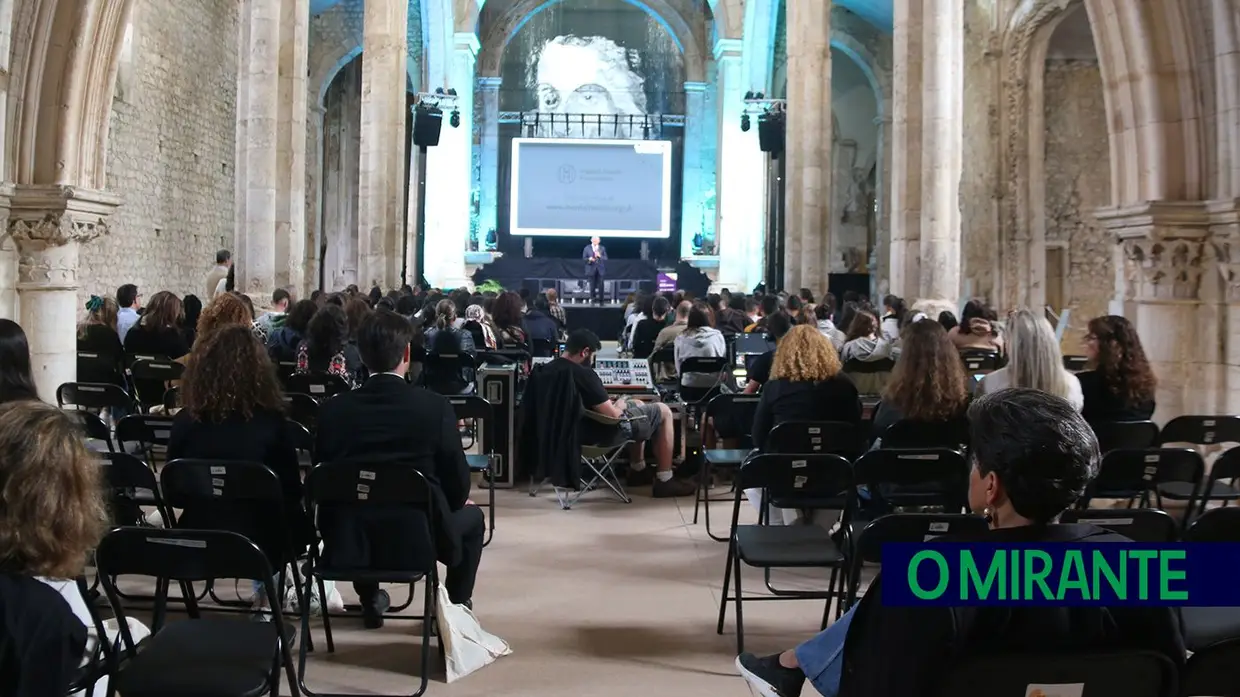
[667, 282]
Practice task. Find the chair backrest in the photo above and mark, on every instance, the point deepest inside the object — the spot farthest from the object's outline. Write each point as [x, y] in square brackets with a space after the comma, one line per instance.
[1212, 671]
[1215, 525]
[940, 475]
[92, 426]
[740, 409]
[504, 356]
[92, 395]
[178, 555]
[1127, 471]
[883, 365]
[1075, 364]
[317, 385]
[836, 437]
[93, 366]
[927, 434]
[300, 436]
[797, 476]
[303, 409]
[285, 369]
[752, 344]
[126, 476]
[146, 429]
[471, 407]
[1201, 430]
[666, 354]
[1125, 434]
[447, 372]
[188, 482]
[368, 483]
[151, 377]
[980, 360]
[913, 528]
[543, 348]
[1129, 673]
[704, 365]
[1137, 524]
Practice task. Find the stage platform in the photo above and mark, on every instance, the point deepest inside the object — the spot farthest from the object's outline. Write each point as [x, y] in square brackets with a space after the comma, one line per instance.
[604, 320]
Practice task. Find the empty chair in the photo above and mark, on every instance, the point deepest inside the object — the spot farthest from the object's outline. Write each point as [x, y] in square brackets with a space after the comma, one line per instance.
[1133, 474]
[1125, 434]
[916, 477]
[320, 386]
[93, 427]
[1137, 524]
[1201, 430]
[152, 377]
[1211, 670]
[733, 416]
[303, 409]
[1219, 485]
[980, 361]
[147, 431]
[93, 397]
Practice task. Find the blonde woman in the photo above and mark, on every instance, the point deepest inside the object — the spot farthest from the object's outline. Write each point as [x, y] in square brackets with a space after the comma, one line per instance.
[1034, 361]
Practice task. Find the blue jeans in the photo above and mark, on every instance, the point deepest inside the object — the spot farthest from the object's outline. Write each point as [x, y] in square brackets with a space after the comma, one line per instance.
[822, 657]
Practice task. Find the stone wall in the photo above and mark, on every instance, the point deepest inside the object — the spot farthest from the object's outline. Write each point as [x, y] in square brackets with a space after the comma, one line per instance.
[1078, 182]
[170, 150]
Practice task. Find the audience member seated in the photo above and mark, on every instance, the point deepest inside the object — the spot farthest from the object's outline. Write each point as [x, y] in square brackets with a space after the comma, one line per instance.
[283, 341]
[1033, 455]
[732, 319]
[129, 301]
[651, 421]
[646, 332]
[480, 328]
[158, 332]
[387, 420]
[947, 318]
[864, 342]
[225, 310]
[16, 377]
[97, 335]
[822, 316]
[232, 409]
[1033, 361]
[928, 384]
[758, 370]
[767, 306]
[699, 340]
[1119, 385]
[506, 314]
[978, 328]
[356, 310]
[326, 348]
[444, 339]
[273, 319]
[665, 372]
[556, 310]
[893, 319]
[539, 325]
[806, 384]
[191, 307]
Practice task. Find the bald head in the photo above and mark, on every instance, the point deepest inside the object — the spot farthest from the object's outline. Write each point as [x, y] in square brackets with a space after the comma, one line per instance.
[682, 311]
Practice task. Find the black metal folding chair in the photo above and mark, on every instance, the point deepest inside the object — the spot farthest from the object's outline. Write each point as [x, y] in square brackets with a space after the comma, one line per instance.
[1206, 626]
[100, 368]
[1137, 524]
[479, 410]
[1113, 435]
[1128, 673]
[93, 427]
[740, 409]
[151, 378]
[837, 437]
[93, 397]
[320, 386]
[303, 409]
[1212, 671]
[1201, 430]
[665, 356]
[980, 361]
[147, 431]
[696, 398]
[903, 527]
[1220, 485]
[207, 657]
[1075, 364]
[446, 373]
[906, 433]
[1133, 475]
[357, 487]
[303, 443]
[916, 477]
[821, 477]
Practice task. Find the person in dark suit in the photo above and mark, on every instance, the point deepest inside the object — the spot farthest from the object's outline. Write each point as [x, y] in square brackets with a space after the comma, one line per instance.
[389, 419]
[595, 256]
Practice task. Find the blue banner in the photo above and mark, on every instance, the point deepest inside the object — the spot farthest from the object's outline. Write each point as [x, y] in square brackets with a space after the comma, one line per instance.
[1062, 574]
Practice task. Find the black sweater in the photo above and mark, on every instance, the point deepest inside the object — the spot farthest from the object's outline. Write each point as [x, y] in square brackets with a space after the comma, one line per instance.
[1101, 404]
[784, 400]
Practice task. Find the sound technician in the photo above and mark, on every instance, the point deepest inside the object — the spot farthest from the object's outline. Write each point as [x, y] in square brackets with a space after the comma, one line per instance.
[656, 426]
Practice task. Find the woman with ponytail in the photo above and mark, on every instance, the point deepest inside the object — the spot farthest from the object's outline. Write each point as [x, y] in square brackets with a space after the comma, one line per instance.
[97, 335]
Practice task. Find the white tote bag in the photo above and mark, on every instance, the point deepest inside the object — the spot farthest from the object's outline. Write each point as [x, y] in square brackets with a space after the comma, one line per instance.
[466, 645]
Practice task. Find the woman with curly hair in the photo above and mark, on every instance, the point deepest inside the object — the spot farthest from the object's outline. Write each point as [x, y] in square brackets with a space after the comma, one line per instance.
[1119, 386]
[233, 409]
[928, 384]
[806, 384]
[506, 313]
[225, 310]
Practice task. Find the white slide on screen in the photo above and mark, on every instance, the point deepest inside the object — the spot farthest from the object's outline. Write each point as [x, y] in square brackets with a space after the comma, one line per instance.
[579, 188]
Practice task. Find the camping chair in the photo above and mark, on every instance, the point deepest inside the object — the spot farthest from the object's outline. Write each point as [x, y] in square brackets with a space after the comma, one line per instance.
[319, 386]
[904, 527]
[1128, 673]
[151, 377]
[478, 409]
[599, 460]
[204, 657]
[821, 477]
[1206, 626]
[740, 409]
[357, 487]
[1113, 435]
[1137, 524]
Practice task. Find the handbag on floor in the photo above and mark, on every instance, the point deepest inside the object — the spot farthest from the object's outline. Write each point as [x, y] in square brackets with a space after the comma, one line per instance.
[466, 645]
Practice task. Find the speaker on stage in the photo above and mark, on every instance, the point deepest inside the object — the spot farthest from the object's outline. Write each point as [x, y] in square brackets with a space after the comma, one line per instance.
[427, 122]
[771, 132]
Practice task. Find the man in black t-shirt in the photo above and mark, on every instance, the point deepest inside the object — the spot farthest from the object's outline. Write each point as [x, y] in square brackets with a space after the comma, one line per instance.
[759, 369]
[650, 421]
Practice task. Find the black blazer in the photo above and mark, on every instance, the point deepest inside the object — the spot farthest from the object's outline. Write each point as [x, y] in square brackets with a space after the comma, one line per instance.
[265, 439]
[41, 640]
[1101, 404]
[601, 264]
[930, 640]
[389, 420]
[784, 400]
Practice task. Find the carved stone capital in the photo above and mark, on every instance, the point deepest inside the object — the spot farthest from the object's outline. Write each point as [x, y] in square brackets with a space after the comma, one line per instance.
[1165, 248]
[49, 224]
[1224, 217]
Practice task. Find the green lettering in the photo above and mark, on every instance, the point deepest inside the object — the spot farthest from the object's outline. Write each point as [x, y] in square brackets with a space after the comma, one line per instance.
[1014, 592]
[1102, 569]
[1037, 576]
[1167, 575]
[915, 586]
[1143, 558]
[971, 578]
[1072, 576]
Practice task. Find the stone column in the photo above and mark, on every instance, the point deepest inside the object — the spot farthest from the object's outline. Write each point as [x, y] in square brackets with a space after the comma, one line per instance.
[740, 175]
[381, 183]
[448, 176]
[905, 249]
[49, 225]
[316, 169]
[692, 210]
[942, 146]
[880, 254]
[809, 172]
[290, 230]
[488, 184]
[257, 134]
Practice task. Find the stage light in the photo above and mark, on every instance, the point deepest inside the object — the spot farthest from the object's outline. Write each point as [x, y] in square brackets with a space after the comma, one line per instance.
[745, 122]
[455, 119]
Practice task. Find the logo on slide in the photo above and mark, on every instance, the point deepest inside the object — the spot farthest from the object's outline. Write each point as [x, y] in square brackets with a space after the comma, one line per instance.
[568, 174]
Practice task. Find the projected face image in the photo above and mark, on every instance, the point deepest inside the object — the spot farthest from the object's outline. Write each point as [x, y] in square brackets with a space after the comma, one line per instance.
[589, 76]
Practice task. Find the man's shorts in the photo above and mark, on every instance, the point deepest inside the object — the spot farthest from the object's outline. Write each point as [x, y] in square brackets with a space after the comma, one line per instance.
[641, 429]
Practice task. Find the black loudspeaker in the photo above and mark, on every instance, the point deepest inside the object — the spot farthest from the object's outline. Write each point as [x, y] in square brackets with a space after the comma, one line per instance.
[771, 132]
[426, 126]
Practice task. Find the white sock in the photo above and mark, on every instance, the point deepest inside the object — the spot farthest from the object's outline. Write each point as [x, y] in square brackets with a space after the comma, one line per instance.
[664, 476]
[637, 466]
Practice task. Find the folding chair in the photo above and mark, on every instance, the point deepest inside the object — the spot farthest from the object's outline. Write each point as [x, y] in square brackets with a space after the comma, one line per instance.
[151, 377]
[357, 487]
[93, 397]
[478, 409]
[100, 368]
[980, 361]
[93, 427]
[544, 348]
[172, 399]
[696, 397]
[1206, 626]
[1113, 435]
[904, 527]
[883, 365]
[1134, 474]
[811, 477]
[1226, 467]
[1075, 364]
[665, 356]
[1201, 430]
[303, 443]
[99, 665]
[320, 386]
[303, 409]
[916, 477]
[599, 459]
[740, 409]
[149, 431]
[1137, 524]
[445, 373]
[838, 437]
[1212, 671]
[1127, 673]
[284, 369]
[204, 657]
[906, 433]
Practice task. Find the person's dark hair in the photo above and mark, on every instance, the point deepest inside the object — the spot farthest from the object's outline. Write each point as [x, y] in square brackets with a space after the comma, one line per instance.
[852, 296]
[828, 301]
[191, 309]
[581, 339]
[947, 319]
[230, 375]
[524, 294]
[928, 382]
[163, 311]
[445, 314]
[16, 377]
[316, 296]
[375, 294]
[701, 315]
[806, 295]
[300, 314]
[661, 307]
[406, 305]
[715, 301]
[793, 304]
[751, 305]
[245, 300]
[645, 304]
[127, 295]
[506, 310]
[279, 295]
[382, 340]
[1038, 445]
[851, 308]
[542, 305]
[778, 324]
[822, 312]
[336, 299]
[230, 282]
[864, 323]
[1121, 359]
[385, 303]
[769, 305]
[896, 303]
[223, 256]
[976, 309]
[355, 311]
[737, 302]
[327, 332]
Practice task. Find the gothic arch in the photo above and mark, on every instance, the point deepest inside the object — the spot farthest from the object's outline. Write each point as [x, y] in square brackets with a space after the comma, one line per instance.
[505, 27]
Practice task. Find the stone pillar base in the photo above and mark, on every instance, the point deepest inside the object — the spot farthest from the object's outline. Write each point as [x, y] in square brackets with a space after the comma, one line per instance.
[932, 307]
